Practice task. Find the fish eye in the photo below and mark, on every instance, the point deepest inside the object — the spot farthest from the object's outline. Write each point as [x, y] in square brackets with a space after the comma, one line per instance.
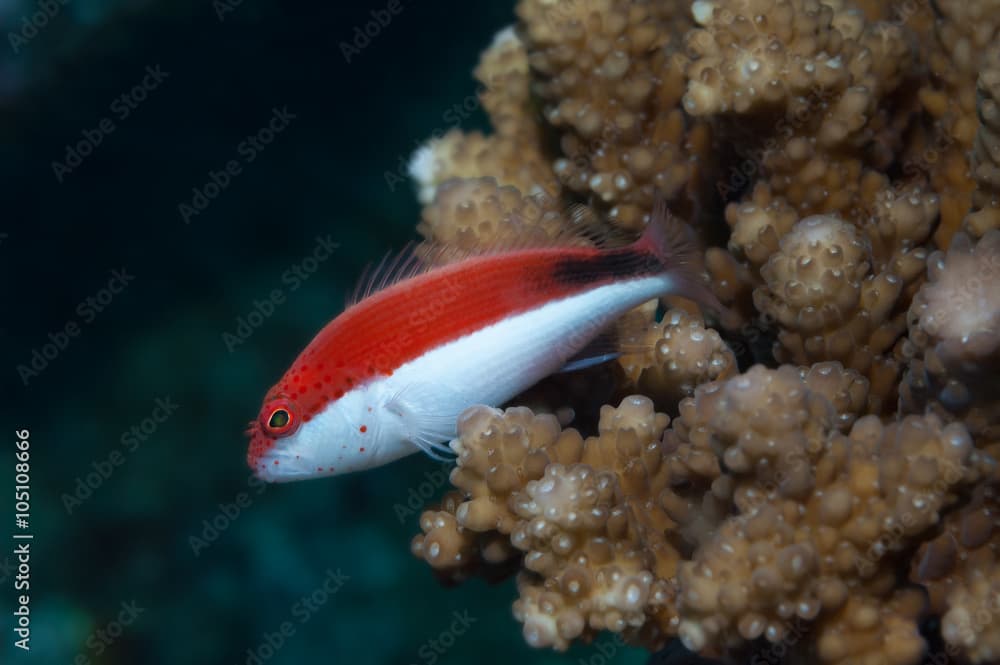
[278, 418]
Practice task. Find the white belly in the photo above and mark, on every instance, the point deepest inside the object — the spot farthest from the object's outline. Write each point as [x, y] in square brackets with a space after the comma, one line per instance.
[496, 363]
[380, 421]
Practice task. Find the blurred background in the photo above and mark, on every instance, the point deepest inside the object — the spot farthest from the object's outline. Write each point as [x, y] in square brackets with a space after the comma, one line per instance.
[166, 166]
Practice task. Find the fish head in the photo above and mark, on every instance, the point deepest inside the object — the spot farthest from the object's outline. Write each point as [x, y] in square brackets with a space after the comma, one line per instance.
[289, 442]
[272, 434]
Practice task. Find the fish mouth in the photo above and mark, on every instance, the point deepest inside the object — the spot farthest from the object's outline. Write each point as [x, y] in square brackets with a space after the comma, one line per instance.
[278, 468]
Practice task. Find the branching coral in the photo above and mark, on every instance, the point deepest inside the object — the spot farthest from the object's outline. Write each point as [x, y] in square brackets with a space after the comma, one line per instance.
[610, 77]
[986, 151]
[798, 85]
[582, 511]
[512, 155]
[475, 213]
[668, 359]
[842, 163]
[962, 35]
[955, 337]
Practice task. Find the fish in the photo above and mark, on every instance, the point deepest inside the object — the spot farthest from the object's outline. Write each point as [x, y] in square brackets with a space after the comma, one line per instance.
[422, 342]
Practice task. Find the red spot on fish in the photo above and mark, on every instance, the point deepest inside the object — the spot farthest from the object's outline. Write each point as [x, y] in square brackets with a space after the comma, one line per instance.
[362, 450]
[275, 462]
[363, 428]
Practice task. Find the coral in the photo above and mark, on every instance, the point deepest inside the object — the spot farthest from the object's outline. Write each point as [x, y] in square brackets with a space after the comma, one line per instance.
[828, 482]
[954, 338]
[872, 630]
[512, 155]
[610, 77]
[798, 86]
[819, 513]
[962, 36]
[582, 511]
[821, 292]
[960, 570]
[667, 359]
[474, 155]
[985, 213]
[474, 213]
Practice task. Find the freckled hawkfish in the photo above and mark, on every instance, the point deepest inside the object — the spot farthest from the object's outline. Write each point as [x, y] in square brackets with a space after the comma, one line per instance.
[390, 375]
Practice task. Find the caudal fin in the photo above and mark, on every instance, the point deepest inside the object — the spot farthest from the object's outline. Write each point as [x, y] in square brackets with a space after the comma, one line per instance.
[674, 245]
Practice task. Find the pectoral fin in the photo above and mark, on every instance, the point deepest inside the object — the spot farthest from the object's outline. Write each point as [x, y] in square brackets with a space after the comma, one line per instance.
[429, 430]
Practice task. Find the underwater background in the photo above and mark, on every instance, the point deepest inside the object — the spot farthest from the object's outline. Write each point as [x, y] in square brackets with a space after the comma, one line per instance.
[164, 261]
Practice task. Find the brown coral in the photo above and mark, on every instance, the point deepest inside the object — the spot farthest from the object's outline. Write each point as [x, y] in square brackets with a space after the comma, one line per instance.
[828, 304]
[583, 512]
[668, 359]
[512, 155]
[872, 493]
[962, 36]
[610, 77]
[799, 86]
[954, 337]
[477, 213]
[846, 144]
[986, 151]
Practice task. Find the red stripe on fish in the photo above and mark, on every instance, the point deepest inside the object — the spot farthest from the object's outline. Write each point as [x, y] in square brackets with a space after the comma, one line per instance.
[398, 324]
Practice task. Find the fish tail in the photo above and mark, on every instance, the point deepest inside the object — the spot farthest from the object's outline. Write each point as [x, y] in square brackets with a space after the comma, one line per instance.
[673, 245]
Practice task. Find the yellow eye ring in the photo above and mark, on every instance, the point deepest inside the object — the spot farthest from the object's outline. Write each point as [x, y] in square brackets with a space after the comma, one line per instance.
[279, 419]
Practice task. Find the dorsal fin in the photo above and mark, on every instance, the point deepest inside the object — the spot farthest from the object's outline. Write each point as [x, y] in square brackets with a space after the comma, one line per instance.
[584, 228]
[414, 259]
